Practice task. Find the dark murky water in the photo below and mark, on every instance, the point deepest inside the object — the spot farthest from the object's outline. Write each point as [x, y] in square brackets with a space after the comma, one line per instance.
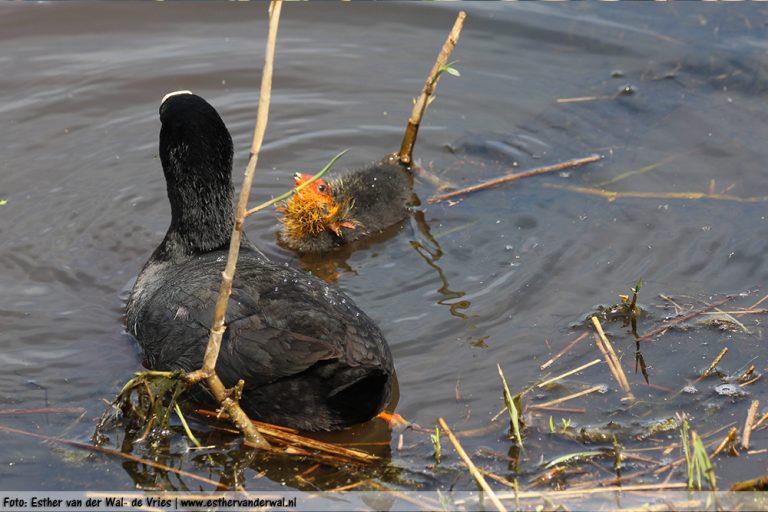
[510, 273]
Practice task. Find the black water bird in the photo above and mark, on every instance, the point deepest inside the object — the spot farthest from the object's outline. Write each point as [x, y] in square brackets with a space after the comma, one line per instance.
[310, 358]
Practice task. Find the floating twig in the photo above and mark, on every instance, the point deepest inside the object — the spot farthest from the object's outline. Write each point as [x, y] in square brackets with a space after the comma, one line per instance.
[750, 421]
[116, 453]
[683, 318]
[581, 99]
[472, 468]
[568, 373]
[564, 351]
[405, 154]
[513, 177]
[613, 196]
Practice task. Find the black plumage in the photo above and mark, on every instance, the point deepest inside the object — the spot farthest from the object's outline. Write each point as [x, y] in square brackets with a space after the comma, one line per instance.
[310, 358]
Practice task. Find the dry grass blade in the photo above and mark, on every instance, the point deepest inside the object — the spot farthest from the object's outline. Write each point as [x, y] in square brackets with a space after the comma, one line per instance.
[545, 405]
[613, 361]
[291, 437]
[568, 373]
[472, 468]
[564, 351]
[715, 362]
[514, 177]
[728, 441]
[116, 453]
[748, 423]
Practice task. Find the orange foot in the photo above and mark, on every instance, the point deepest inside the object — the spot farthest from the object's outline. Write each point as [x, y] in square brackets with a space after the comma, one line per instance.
[393, 419]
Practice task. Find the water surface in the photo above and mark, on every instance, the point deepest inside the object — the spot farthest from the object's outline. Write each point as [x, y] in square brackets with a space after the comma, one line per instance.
[506, 276]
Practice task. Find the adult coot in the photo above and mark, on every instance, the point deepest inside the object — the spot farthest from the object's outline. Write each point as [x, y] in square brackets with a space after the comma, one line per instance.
[352, 206]
[309, 357]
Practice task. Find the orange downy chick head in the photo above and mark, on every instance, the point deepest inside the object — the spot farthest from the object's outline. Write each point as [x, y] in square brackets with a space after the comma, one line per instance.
[312, 210]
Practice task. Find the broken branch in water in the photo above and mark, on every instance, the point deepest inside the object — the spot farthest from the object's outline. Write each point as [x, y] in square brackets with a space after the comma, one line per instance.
[405, 155]
[208, 371]
[513, 177]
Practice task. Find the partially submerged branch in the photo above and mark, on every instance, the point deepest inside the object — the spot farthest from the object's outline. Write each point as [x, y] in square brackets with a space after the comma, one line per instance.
[208, 371]
[405, 154]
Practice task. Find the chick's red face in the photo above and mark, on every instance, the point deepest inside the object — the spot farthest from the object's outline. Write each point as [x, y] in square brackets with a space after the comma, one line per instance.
[319, 186]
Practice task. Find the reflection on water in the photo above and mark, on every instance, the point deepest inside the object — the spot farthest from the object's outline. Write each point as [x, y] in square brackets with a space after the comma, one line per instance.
[503, 276]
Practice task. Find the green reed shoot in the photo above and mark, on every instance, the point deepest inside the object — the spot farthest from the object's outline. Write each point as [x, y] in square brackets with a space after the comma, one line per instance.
[436, 444]
[514, 407]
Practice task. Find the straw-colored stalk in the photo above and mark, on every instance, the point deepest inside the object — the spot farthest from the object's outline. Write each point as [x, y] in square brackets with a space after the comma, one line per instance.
[613, 361]
[472, 468]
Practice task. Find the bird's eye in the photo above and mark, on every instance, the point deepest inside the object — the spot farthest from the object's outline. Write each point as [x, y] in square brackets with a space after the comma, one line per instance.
[321, 188]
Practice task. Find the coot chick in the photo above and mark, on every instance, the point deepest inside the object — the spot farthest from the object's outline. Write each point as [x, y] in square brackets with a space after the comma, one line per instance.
[355, 205]
[310, 358]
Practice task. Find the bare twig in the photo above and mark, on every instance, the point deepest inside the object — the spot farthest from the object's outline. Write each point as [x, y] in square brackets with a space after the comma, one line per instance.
[472, 468]
[748, 424]
[409, 139]
[208, 371]
[514, 177]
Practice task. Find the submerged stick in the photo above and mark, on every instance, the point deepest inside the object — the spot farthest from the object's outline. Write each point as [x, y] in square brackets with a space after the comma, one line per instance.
[405, 155]
[513, 177]
[472, 468]
[208, 371]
